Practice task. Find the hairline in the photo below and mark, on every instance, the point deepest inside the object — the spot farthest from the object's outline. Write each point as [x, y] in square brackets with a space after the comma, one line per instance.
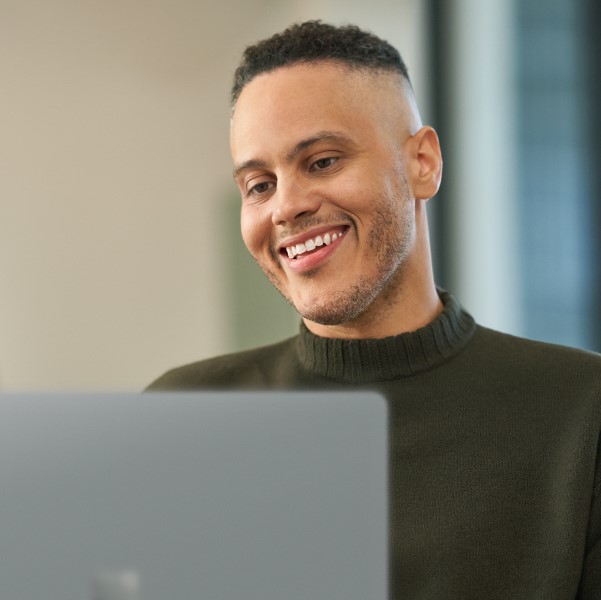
[347, 65]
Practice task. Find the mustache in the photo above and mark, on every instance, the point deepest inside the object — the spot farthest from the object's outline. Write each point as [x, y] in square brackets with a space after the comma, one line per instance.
[302, 224]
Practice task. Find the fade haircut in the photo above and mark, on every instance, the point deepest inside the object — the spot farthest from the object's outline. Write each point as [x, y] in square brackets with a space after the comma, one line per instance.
[314, 41]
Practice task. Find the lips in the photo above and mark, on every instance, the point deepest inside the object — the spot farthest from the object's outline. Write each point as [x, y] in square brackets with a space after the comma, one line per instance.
[302, 245]
[308, 251]
[312, 243]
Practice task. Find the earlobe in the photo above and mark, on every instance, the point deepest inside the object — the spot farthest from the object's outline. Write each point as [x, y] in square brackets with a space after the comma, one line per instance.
[426, 160]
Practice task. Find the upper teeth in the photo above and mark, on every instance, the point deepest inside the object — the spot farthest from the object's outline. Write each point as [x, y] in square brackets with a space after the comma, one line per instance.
[313, 243]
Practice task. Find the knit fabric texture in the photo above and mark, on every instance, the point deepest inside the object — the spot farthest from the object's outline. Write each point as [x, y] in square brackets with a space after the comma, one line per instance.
[494, 471]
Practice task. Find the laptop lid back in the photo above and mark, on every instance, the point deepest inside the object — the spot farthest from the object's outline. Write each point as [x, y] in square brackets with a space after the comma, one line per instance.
[169, 496]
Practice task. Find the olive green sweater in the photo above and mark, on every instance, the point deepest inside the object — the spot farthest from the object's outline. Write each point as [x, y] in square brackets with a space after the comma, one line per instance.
[494, 478]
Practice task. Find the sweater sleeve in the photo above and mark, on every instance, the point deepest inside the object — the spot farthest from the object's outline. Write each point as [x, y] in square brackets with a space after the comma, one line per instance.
[590, 583]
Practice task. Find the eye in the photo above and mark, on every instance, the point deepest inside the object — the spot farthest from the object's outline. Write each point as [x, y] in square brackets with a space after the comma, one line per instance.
[323, 163]
[260, 188]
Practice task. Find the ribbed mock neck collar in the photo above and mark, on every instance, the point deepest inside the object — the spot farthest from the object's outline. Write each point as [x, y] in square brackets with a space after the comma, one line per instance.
[370, 360]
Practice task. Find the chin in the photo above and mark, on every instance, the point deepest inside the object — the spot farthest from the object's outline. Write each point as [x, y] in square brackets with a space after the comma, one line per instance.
[341, 307]
[322, 317]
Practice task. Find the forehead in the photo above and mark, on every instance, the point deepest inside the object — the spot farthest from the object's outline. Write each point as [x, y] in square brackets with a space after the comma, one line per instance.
[279, 108]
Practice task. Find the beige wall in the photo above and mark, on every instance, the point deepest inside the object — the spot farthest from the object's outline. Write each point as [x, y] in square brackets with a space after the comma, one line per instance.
[114, 171]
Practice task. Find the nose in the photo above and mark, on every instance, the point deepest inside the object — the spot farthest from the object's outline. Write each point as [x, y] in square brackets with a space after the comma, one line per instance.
[293, 200]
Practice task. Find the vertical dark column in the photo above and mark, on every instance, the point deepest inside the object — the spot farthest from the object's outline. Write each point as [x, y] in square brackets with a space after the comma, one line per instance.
[440, 231]
[592, 20]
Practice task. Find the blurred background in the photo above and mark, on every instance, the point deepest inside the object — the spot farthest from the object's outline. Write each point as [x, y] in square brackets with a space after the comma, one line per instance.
[120, 253]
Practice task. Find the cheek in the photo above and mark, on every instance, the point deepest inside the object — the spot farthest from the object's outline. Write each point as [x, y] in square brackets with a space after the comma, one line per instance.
[255, 231]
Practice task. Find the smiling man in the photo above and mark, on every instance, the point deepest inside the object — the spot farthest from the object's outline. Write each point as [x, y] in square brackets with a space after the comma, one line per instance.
[333, 190]
[494, 479]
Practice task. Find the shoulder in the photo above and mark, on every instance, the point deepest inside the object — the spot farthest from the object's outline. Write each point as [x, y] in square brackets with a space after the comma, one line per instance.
[523, 359]
[254, 368]
[533, 350]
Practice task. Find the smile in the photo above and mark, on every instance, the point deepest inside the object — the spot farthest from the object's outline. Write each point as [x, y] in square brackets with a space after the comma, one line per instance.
[312, 243]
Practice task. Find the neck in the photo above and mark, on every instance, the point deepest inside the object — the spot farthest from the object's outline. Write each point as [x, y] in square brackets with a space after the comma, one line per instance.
[387, 317]
[363, 361]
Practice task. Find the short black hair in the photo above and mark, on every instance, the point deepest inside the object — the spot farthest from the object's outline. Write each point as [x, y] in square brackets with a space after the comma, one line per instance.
[314, 41]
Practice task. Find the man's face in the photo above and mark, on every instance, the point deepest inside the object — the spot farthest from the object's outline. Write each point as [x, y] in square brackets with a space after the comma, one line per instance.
[327, 212]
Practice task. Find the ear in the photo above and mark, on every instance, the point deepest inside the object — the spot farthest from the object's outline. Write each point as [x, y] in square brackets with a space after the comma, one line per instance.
[424, 163]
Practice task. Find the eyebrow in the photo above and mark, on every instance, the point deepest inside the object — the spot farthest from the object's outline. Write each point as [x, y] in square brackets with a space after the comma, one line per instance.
[330, 136]
[254, 163]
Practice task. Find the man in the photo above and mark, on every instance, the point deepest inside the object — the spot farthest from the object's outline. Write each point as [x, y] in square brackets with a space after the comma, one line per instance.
[495, 484]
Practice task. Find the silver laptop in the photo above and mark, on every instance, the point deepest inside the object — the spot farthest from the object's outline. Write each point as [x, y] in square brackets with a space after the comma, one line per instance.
[216, 496]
